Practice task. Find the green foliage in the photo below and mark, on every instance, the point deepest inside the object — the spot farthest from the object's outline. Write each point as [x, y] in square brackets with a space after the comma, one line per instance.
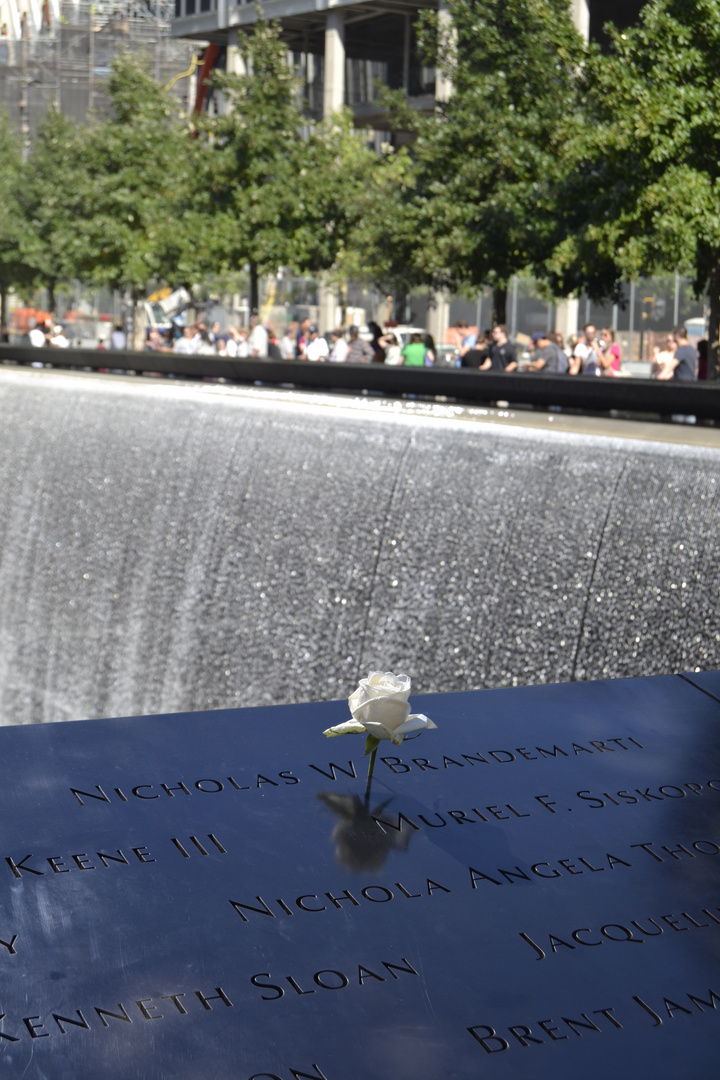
[380, 250]
[16, 242]
[254, 156]
[644, 187]
[142, 195]
[489, 160]
[280, 199]
[52, 198]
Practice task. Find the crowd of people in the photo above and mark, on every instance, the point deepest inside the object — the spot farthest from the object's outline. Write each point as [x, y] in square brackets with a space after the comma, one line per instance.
[46, 335]
[301, 341]
[590, 352]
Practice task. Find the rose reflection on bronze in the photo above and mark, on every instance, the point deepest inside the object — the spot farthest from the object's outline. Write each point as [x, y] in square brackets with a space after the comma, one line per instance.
[360, 844]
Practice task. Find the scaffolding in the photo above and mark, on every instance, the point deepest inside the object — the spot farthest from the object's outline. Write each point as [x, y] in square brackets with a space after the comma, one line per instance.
[61, 51]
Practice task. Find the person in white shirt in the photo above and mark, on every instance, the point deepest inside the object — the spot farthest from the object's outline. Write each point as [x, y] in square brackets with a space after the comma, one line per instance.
[118, 338]
[340, 348]
[242, 344]
[58, 339]
[393, 352]
[287, 344]
[203, 346]
[317, 347]
[37, 337]
[258, 341]
[586, 355]
[237, 343]
[186, 343]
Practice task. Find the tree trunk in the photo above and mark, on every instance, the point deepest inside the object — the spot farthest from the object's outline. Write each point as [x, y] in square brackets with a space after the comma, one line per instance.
[499, 307]
[254, 289]
[51, 298]
[4, 328]
[713, 365]
[400, 304]
[343, 295]
[138, 321]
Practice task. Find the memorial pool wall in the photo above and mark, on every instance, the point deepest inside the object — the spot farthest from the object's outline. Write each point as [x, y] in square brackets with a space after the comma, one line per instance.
[168, 547]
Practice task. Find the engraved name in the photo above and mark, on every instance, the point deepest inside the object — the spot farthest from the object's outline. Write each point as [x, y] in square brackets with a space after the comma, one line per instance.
[330, 979]
[344, 901]
[637, 932]
[544, 1031]
[506, 757]
[578, 864]
[43, 1025]
[511, 811]
[204, 786]
[63, 864]
[640, 795]
[547, 1032]
[96, 793]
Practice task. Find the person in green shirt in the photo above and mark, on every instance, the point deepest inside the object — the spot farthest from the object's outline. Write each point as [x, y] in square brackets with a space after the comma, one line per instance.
[413, 353]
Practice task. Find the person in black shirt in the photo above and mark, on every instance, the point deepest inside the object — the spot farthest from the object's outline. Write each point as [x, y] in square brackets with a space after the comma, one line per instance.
[503, 356]
[479, 356]
[499, 355]
[682, 367]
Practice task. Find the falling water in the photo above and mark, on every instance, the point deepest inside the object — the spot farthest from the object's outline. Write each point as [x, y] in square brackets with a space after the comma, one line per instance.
[171, 547]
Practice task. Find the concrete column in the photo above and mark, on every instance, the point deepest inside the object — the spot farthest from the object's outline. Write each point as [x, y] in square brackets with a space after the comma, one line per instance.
[438, 316]
[235, 64]
[581, 17]
[567, 314]
[334, 74]
[328, 307]
[333, 100]
[443, 84]
[514, 307]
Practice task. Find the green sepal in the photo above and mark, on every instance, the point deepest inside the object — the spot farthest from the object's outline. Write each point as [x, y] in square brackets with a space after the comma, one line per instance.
[371, 743]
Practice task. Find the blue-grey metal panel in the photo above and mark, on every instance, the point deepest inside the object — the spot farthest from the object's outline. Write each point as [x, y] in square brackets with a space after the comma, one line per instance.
[206, 895]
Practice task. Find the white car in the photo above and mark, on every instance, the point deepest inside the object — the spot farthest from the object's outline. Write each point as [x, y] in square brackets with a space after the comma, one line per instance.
[404, 333]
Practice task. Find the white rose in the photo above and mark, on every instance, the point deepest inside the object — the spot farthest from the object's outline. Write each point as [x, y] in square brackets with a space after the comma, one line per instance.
[380, 707]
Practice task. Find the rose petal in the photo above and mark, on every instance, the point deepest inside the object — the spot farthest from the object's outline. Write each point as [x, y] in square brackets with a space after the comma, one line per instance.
[374, 727]
[388, 711]
[350, 727]
[386, 682]
[416, 722]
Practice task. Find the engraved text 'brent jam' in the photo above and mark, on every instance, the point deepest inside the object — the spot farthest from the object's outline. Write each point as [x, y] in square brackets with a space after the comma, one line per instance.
[547, 1032]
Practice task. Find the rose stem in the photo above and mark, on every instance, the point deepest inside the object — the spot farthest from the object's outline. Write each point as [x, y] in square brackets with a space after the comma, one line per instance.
[371, 769]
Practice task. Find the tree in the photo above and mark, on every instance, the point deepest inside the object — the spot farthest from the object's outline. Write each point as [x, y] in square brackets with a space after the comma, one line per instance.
[490, 158]
[52, 198]
[143, 195]
[380, 249]
[16, 239]
[643, 194]
[280, 199]
[257, 157]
